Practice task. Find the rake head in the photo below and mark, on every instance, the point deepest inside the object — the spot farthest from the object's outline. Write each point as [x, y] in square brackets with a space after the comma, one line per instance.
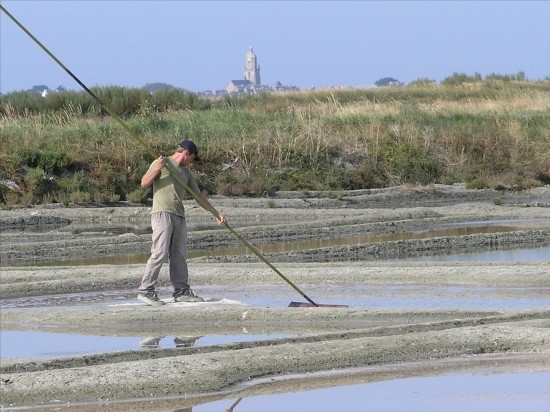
[317, 305]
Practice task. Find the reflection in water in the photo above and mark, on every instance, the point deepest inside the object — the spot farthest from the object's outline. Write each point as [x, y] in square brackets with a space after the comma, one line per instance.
[151, 342]
[230, 409]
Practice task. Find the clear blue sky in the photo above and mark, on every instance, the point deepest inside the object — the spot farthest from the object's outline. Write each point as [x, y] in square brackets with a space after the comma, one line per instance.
[201, 45]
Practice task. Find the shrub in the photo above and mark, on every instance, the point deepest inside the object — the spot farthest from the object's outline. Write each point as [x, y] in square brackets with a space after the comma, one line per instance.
[8, 165]
[10, 197]
[52, 160]
[542, 172]
[80, 182]
[138, 195]
[458, 79]
[80, 197]
[411, 163]
[35, 184]
[478, 183]
[105, 197]
[19, 104]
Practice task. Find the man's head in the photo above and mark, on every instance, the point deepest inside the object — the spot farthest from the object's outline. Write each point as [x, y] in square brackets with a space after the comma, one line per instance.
[192, 148]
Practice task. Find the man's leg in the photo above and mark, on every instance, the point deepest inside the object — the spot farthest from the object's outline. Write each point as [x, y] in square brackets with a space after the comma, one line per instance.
[179, 274]
[162, 231]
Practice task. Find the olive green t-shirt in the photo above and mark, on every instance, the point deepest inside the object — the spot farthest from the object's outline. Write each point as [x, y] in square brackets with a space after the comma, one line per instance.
[168, 192]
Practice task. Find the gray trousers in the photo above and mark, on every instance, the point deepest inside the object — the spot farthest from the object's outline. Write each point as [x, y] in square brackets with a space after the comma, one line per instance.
[169, 240]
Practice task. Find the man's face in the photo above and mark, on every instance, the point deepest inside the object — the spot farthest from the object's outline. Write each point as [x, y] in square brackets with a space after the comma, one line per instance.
[187, 158]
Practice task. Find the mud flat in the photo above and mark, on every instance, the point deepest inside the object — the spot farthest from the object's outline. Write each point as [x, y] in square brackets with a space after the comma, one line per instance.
[323, 346]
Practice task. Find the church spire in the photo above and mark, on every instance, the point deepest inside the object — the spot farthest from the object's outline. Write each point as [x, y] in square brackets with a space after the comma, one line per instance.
[251, 68]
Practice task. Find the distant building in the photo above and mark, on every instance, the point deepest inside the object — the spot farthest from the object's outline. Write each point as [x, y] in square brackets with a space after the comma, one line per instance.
[252, 69]
[239, 86]
[251, 73]
[252, 82]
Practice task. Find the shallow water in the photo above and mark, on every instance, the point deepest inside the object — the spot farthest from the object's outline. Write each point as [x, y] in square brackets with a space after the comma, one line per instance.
[461, 229]
[24, 344]
[536, 254]
[510, 392]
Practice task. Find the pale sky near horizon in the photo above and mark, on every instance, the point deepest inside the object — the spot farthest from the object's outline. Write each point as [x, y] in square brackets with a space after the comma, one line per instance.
[201, 45]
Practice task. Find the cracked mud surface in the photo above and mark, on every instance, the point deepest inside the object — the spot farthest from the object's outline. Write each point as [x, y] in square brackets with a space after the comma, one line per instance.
[454, 324]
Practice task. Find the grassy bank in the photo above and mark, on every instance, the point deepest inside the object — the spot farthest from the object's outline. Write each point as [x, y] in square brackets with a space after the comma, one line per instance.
[486, 134]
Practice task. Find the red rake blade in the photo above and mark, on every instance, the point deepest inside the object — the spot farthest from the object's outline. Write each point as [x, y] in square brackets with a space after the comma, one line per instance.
[311, 305]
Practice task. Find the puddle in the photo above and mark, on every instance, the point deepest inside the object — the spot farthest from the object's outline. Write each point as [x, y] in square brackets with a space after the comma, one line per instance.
[467, 228]
[513, 255]
[43, 345]
[526, 392]
[18, 344]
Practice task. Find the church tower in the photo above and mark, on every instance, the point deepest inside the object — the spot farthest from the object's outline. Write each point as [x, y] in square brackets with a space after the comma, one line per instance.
[252, 69]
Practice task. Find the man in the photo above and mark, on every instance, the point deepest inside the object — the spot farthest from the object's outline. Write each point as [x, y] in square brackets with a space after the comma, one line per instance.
[168, 222]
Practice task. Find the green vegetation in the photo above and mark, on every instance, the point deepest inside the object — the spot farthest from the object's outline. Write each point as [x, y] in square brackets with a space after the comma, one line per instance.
[485, 133]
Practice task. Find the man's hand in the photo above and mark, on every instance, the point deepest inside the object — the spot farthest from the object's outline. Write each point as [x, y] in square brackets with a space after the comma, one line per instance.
[148, 177]
[221, 220]
[160, 163]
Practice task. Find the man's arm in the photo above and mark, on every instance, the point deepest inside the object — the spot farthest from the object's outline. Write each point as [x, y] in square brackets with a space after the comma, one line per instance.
[148, 178]
[205, 204]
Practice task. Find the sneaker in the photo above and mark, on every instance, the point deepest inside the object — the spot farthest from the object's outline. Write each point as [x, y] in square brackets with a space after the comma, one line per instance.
[150, 298]
[186, 295]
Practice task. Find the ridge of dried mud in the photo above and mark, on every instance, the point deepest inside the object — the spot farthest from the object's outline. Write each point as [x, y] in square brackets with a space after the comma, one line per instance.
[327, 346]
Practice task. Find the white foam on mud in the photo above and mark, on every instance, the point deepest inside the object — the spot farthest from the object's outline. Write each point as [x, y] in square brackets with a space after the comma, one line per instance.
[208, 301]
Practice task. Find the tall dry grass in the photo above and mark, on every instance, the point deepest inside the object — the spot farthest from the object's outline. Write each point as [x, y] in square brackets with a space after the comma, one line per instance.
[485, 134]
